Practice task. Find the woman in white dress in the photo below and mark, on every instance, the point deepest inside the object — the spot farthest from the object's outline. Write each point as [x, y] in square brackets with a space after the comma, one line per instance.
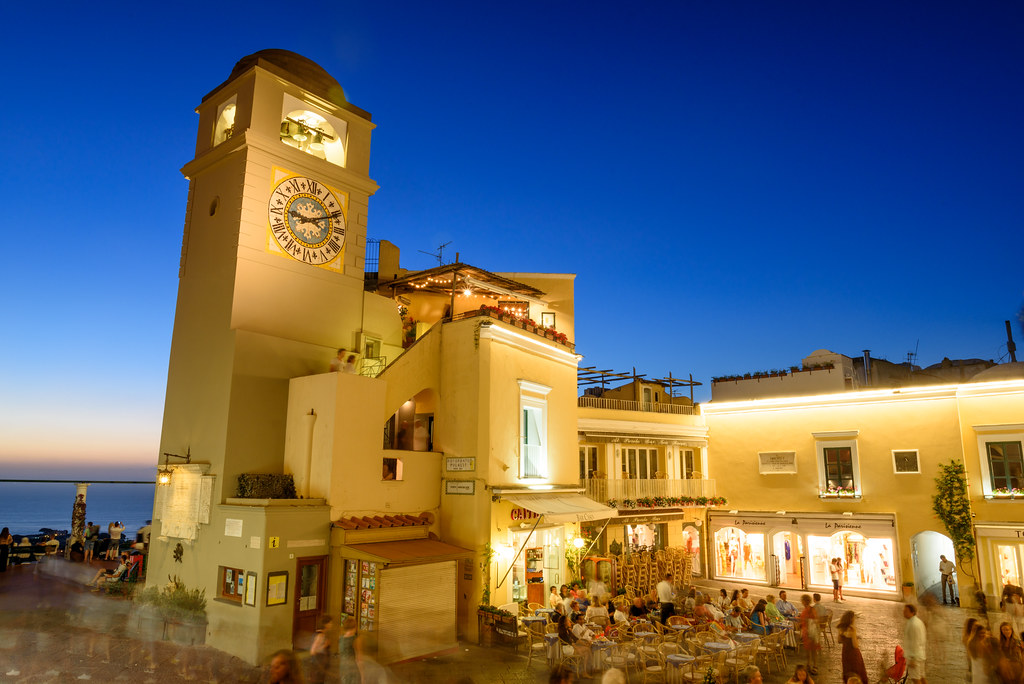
[980, 654]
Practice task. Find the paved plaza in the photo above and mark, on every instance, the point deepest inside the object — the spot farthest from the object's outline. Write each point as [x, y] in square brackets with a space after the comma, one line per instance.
[53, 629]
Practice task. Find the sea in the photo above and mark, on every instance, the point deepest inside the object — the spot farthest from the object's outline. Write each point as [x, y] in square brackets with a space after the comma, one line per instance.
[28, 507]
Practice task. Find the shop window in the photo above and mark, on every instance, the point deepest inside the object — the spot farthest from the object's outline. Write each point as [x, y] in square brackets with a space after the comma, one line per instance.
[588, 462]
[739, 554]
[1006, 556]
[1006, 467]
[533, 436]
[232, 584]
[905, 462]
[391, 469]
[868, 562]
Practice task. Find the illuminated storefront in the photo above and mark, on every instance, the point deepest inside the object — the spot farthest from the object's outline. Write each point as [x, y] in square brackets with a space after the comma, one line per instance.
[795, 549]
[1001, 554]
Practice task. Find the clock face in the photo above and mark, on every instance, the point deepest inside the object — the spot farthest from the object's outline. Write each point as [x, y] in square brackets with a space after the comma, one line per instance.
[307, 220]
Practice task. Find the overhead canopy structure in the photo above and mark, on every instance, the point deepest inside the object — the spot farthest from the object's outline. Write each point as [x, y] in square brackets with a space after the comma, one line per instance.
[458, 278]
[406, 552]
[562, 507]
[590, 375]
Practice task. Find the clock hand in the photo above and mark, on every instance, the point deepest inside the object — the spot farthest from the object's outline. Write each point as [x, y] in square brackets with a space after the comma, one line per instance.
[336, 214]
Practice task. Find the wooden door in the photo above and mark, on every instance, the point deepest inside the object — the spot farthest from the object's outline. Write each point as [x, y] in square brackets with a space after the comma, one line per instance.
[310, 595]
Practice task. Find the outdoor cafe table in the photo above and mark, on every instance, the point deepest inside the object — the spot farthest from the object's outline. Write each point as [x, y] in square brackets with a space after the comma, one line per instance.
[546, 612]
[745, 637]
[598, 649]
[717, 646]
[677, 661]
[530, 621]
[680, 628]
[551, 641]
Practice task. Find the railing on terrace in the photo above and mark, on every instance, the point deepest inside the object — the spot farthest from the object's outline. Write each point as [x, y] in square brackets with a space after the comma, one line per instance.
[524, 324]
[603, 489]
[373, 367]
[628, 405]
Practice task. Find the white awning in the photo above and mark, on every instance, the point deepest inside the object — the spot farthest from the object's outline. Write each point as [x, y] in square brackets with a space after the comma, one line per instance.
[562, 507]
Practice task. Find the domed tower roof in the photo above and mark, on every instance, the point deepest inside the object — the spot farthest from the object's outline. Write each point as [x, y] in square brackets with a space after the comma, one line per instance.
[296, 69]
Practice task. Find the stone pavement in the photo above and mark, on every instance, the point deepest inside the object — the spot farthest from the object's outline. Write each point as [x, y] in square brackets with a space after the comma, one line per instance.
[52, 629]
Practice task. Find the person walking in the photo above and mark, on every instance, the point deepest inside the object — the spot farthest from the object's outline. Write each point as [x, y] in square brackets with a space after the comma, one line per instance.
[320, 652]
[667, 597]
[914, 644]
[852, 659]
[6, 540]
[284, 668]
[809, 633]
[946, 568]
[350, 653]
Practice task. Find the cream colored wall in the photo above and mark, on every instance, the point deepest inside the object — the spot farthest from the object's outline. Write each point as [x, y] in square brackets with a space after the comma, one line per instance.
[989, 404]
[344, 446]
[926, 424]
[559, 297]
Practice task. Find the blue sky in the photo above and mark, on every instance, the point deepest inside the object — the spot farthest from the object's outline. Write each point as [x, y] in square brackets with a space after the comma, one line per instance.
[735, 184]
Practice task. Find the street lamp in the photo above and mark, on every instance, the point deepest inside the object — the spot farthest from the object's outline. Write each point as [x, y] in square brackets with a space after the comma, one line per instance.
[164, 474]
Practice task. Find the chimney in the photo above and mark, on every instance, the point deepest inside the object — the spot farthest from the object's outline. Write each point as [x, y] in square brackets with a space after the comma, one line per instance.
[867, 367]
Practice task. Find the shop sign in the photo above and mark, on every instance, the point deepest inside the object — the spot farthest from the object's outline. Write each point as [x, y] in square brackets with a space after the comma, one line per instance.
[1000, 532]
[777, 462]
[460, 486]
[457, 464]
[518, 514]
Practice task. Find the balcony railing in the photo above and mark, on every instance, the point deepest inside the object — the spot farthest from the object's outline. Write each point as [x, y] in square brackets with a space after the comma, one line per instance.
[603, 490]
[628, 405]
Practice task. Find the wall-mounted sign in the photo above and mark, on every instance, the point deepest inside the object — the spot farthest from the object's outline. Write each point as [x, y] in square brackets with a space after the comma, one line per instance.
[277, 588]
[274, 542]
[232, 527]
[457, 464]
[777, 462]
[523, 514]
[460, 486]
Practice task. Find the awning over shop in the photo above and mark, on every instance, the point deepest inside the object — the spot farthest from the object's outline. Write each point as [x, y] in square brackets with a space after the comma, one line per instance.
[562, 507]
[407, 552]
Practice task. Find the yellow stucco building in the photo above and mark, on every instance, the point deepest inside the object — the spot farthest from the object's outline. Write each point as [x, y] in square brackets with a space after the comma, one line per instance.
[851, 474]
[451, 419]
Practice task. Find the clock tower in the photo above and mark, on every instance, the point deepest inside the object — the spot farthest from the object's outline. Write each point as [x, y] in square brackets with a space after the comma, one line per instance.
[270, 286]
[271, 274]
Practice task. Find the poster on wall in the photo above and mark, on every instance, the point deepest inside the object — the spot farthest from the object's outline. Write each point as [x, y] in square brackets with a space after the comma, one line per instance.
[277, 588]
[250, 588]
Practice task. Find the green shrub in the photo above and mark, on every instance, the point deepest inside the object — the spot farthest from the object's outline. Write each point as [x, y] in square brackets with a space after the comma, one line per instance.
[265, 486]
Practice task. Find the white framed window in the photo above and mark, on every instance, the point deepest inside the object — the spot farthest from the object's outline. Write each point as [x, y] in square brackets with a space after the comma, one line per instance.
[838, 464]
[641, 464]
[588, 461]
[533, 430]
[1001, 460]
[906, 462]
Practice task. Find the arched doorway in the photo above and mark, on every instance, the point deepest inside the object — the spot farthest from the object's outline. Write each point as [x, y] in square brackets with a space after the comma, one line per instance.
[925, 549]
[787, 550]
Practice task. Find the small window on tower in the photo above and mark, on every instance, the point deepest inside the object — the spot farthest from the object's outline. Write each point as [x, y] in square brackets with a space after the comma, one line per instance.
[225, 127]
[315, 133]
[905, 462]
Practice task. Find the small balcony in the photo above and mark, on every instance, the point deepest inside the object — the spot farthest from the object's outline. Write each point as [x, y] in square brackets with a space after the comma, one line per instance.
[629, 405]
[604, 490]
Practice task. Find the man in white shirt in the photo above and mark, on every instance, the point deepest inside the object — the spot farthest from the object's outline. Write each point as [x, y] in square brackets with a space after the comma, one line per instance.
[946, 568]
[580, 630]
[667, 597]
[914, 644]
[785, 607]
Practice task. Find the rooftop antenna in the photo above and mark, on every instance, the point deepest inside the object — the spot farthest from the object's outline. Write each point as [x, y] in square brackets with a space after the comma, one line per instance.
[912, 356]
[1010, 346]
[440, 253]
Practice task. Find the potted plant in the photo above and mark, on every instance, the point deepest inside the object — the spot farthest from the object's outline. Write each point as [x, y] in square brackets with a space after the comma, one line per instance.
[182, 612]
[908, 590]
